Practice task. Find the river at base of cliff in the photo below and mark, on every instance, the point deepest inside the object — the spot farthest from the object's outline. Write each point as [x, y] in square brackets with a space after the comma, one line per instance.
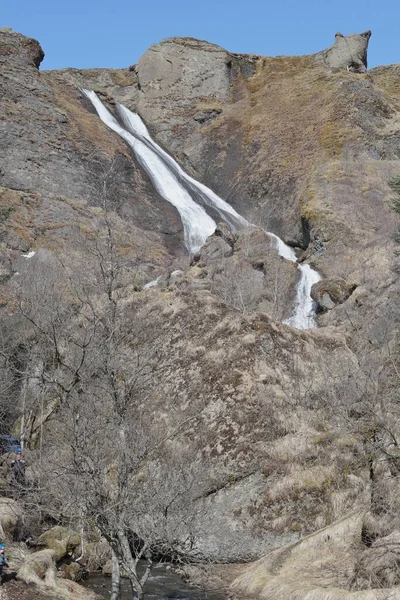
[163, 584]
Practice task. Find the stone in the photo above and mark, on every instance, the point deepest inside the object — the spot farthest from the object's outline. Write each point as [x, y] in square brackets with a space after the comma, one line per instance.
[72, 571]
[214, 248]
[328, 293]
[14, 242]
[61, 540]
[348, 52]
[24, 48]
[10, 519]
[224, 231]
[39, 567]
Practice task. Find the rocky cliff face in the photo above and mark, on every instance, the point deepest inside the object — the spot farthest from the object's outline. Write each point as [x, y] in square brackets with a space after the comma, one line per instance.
[302, 146]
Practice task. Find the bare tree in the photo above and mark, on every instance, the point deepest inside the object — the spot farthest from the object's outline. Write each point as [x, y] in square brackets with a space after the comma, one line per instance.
[103, 456]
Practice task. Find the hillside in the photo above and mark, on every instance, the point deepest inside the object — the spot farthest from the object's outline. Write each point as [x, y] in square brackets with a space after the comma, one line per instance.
[286, 431]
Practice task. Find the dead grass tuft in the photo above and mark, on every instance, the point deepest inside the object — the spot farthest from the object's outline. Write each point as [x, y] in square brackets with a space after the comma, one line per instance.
[298, 480]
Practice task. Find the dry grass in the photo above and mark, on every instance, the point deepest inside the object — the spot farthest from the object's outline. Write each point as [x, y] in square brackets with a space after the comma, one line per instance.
[318, 567]
[379, 566]
[299, 480]
[39, 570]
[388, 80]
[85, 128]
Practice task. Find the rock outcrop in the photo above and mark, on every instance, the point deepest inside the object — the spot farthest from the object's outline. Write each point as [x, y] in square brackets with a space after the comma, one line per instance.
[20, 49]
[328, 293]
[348, 52]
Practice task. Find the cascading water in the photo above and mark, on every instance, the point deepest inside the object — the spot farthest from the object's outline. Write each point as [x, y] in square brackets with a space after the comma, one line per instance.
[177, 187]
[304, 310]
[136, 126]
[197, 224]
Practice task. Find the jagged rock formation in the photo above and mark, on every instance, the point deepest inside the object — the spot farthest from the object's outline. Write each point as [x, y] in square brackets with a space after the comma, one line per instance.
[301, 146]
[348, 52]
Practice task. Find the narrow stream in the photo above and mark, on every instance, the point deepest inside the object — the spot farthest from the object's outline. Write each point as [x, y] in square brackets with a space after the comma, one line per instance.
[163, 584]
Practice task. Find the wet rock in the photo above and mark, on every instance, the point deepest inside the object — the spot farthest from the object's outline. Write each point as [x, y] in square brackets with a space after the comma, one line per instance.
[72, 571]
[215, 247]
[224, 231]
[207, 115]
[328, 293]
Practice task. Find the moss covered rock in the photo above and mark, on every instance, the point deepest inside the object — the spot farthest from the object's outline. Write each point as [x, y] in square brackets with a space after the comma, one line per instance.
[60, 539]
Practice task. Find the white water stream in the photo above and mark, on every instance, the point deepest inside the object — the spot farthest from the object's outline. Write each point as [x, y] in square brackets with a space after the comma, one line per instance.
[177, 187]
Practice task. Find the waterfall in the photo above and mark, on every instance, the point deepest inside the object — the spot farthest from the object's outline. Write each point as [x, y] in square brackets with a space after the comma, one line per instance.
[304, 308]
[177, 187]
[197, 224]
[136, 126]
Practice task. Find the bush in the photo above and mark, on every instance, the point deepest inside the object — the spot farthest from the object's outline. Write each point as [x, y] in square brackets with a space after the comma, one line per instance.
[395, 185]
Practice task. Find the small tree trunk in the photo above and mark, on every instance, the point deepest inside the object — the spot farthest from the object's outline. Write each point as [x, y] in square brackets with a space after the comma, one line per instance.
[130, 566]
[116, 577]
[137, 592]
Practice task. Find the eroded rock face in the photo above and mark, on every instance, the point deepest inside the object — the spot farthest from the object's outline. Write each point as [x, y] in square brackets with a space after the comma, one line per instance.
[55, 147]
[348, 52]
[15, 47]
[244, 270]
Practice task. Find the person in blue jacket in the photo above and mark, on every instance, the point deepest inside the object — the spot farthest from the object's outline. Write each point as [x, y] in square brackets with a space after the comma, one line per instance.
[3, 560]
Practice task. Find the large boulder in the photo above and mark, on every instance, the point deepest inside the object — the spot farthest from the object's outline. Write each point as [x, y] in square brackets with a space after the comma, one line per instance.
[40, 568]
[10, 518]
[13, 44]
[183, 69]
[348, 52]
[40, 573]
[61, 540]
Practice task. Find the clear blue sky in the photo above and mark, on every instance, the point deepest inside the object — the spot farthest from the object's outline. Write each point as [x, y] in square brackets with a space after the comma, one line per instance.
[89, 33]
